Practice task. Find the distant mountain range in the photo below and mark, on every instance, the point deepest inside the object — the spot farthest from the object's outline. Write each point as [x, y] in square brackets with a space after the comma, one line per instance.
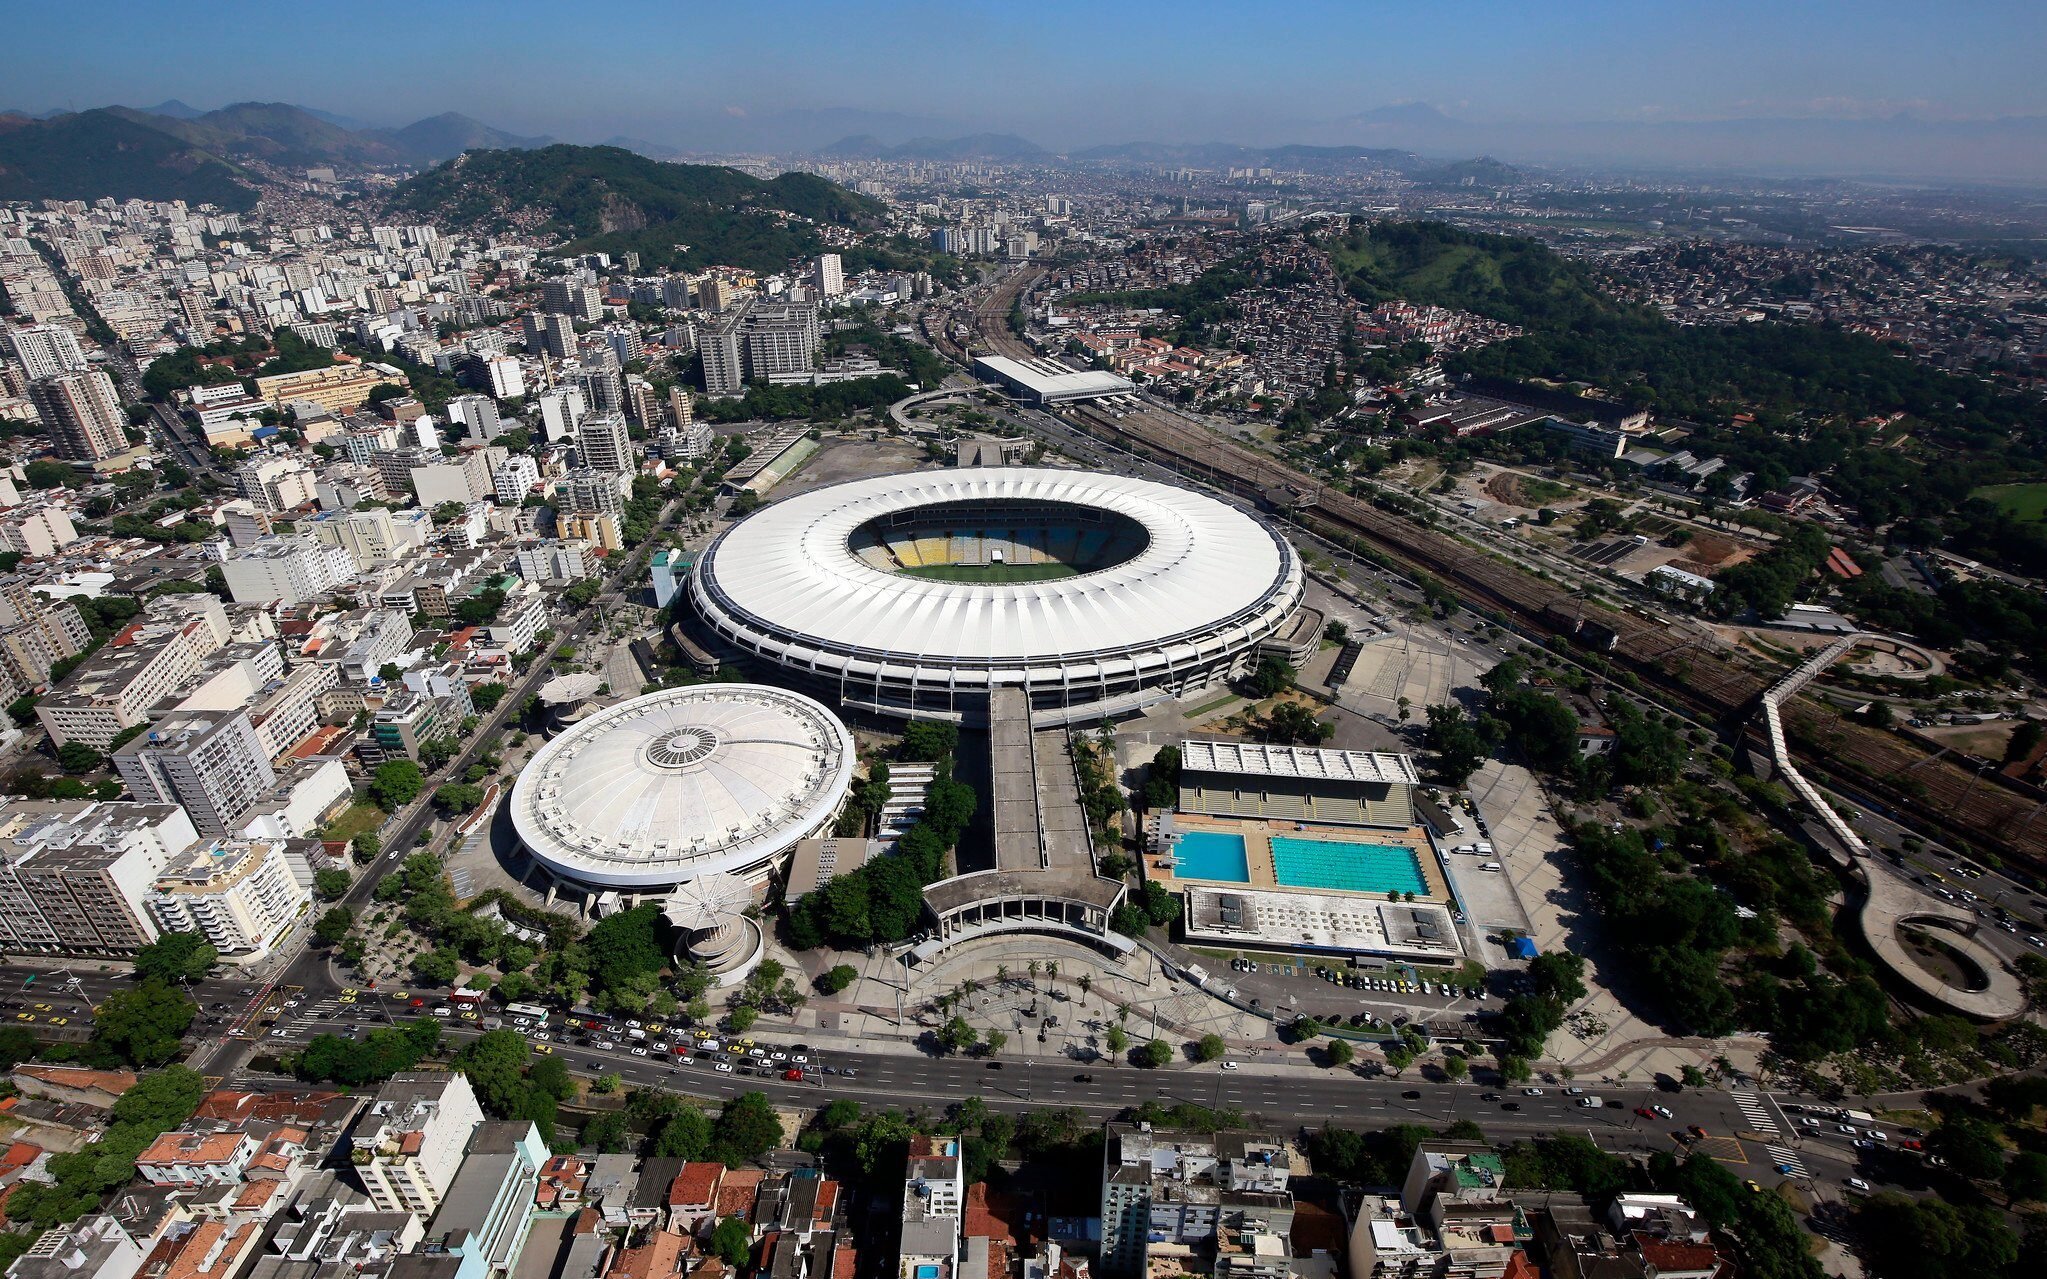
[612, 200]
[173, 151]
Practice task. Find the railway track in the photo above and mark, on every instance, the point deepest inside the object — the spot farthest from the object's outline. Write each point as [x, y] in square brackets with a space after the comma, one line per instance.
[1680, 660]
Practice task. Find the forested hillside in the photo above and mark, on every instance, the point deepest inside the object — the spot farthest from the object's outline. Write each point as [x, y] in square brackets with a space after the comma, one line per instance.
[612, 200]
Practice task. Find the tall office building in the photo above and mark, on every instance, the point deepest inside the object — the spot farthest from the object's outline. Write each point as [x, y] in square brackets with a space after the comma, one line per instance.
[211, 763]
[831, 275]
[82, 414]
[46, 350]
[675, 293]
[603, 444]
[681, 409]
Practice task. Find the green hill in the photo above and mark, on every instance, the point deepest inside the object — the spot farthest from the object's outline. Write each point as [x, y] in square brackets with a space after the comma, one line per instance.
[610, 200]
[90, 154]
[1518, 281]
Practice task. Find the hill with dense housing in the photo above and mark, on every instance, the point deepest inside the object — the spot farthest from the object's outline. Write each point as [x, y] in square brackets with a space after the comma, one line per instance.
[607, 199]
[89, 154]
[1897, 439]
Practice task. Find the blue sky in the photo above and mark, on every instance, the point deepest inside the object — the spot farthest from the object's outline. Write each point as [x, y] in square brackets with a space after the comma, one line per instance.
[1064, 74]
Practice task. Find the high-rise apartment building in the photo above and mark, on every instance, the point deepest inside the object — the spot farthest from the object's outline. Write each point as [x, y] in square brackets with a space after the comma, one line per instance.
[477, 416]
[409, 1144]
[514, 478]
[82, 414]
[209, 762]
[603, 444]
[830, 275]
[242, 895]
[73, 874]
[564, 296]
[681, 408]
[780, 339]
[550, 333]
[36, 633]
[724, 353]
[46, 350]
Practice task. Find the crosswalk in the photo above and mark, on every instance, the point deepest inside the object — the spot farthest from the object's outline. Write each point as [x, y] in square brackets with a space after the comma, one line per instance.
[1782, 1158]
[1756, 1111]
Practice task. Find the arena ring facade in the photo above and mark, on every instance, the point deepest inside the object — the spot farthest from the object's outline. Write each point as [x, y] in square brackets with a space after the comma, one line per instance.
[712, 779]
[921, 594]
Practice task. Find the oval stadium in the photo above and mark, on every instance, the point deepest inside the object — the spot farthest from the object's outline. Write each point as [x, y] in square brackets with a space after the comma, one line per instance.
[682, 783]
[920, 594]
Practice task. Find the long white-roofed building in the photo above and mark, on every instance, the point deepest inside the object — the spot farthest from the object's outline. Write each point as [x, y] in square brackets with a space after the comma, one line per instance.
[723, 779]
[921, 594]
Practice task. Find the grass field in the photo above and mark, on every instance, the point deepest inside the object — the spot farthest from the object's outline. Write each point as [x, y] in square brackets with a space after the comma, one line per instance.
[2020, 501]
[354, 821]
[992, 574]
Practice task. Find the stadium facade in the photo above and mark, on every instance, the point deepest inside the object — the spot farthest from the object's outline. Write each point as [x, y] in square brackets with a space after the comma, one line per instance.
[921, 594]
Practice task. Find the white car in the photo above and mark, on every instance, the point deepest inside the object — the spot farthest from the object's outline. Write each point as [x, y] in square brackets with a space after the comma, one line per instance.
[1531, 1092]
[1857, 1183]
[1229, 1065]
[442, 1012]
[1662, 1112]
[1877, 1134]
[639, 1052]
[799, 1059]
[1574, 1092]
[722, 1067]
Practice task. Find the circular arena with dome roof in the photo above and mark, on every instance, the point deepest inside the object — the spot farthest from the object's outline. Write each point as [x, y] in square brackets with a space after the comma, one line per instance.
[921, 594]
[713, 779]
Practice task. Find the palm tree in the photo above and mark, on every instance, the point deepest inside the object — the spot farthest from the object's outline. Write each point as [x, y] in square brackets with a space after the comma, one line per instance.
[1087, 983]
[1052, 970]
[1002, 973]
[1032, 969]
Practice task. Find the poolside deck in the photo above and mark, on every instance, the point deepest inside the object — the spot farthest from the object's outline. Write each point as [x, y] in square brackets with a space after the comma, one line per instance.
[1258, 833]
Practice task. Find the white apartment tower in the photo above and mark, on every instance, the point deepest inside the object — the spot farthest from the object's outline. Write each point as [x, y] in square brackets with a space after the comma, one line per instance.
[82, 414]
[46, 350]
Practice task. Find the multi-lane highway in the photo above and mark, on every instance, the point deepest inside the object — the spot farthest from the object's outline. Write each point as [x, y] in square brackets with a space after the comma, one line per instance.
[1749, 1130]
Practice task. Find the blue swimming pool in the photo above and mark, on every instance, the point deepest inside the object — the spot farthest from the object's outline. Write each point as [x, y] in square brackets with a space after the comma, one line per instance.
[1357, 868]
[1209, 854]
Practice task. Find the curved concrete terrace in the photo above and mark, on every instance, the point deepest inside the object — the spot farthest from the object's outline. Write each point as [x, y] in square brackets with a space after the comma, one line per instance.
[1889, 902]
[900, 410]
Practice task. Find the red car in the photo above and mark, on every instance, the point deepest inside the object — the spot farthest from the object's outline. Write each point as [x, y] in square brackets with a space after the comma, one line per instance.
[793, 1074]
[1912, 1145]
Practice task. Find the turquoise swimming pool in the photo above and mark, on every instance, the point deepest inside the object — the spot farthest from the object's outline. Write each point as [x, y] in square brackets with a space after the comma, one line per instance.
[1209, 854]
[1357, 868]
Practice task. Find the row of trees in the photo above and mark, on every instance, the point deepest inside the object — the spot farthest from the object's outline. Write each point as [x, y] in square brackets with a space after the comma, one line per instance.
[882, 901]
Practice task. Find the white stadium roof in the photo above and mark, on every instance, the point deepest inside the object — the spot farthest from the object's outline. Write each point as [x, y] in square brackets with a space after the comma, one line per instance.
[683, 782]
[1256, 759]
[786, 580]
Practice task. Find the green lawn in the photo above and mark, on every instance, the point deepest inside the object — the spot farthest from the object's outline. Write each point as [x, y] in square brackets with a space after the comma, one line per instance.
[1541, 492]
[993, 574]
[357, 819]
[2020, 501]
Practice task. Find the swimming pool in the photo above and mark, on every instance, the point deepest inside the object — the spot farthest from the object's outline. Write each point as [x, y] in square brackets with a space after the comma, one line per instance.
[1357, 868]
[1210, 854]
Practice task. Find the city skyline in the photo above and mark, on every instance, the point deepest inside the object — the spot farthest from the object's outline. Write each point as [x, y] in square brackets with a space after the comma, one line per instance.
[1824, 88]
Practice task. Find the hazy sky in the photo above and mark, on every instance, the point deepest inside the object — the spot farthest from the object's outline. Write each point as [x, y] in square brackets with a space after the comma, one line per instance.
[1064, 74]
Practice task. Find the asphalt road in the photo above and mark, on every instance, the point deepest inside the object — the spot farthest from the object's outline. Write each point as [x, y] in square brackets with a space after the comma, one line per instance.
[1750, 1132]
